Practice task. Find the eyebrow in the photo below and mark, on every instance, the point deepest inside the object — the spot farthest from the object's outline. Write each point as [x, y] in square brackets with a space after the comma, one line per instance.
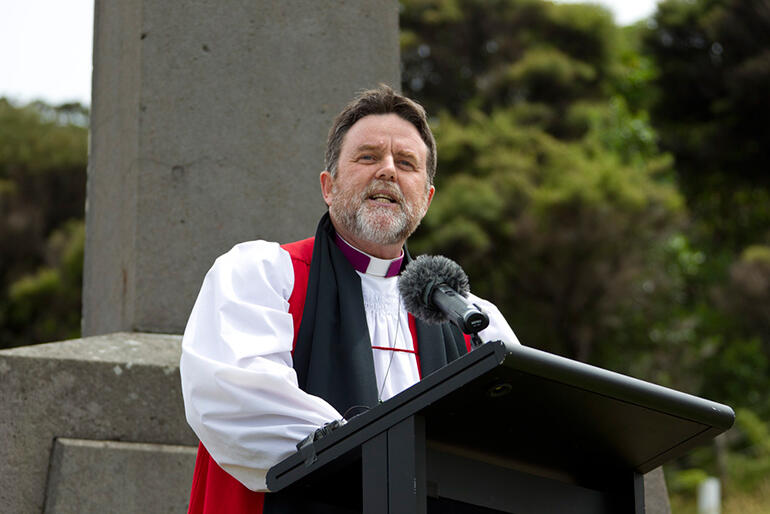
[405, 152]
[408, 153]
[369, 146]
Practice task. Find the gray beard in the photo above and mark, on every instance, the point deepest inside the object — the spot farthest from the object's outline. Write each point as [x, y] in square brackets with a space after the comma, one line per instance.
[379, 226]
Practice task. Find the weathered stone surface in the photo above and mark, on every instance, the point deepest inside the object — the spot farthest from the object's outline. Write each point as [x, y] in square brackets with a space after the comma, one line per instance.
[109, 476]
[120, 387]
[656, 493]
[208, 127]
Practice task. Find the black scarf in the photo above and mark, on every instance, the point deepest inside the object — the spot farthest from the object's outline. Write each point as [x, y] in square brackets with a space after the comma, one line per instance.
[333, 352]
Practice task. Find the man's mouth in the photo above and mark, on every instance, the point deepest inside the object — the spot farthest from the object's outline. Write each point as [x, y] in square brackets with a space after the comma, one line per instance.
[382, 198]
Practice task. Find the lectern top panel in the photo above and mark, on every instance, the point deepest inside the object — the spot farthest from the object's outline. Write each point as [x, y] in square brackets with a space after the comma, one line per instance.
[526, 408]
[543, 411]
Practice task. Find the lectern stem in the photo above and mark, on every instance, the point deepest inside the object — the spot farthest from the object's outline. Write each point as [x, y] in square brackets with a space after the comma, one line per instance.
[393, 473]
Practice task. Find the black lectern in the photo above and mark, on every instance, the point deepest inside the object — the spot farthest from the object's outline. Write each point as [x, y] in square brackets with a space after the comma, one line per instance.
[505, 429]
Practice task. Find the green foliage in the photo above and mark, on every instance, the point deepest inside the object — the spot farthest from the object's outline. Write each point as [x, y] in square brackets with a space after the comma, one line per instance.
[566, 224]
[40, 139]
[606, 187]
[747, 294]
[45, 305]
[687, 480]
[712, 111]
[746, 468]
[43, 155]
[489, 54]
[628, 135]
[552, 190]
[634, 72]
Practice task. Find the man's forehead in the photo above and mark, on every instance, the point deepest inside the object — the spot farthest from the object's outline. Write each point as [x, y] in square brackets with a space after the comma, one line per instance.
[377, 130]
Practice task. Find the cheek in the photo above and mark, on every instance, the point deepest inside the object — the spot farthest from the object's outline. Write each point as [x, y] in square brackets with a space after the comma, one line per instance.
[420, 191]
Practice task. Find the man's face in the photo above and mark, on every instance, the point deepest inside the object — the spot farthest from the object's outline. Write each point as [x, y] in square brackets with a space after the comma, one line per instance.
[380, 192]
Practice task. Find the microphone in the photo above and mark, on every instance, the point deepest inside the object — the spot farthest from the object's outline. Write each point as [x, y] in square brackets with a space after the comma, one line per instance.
[434, 289]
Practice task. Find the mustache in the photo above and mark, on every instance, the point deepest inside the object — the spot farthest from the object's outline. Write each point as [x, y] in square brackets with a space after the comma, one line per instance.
[381, 186]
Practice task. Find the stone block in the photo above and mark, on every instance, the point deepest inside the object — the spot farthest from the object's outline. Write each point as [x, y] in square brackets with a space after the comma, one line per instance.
[109, 476]
[120, 387]
[208, 127]
[656, 493]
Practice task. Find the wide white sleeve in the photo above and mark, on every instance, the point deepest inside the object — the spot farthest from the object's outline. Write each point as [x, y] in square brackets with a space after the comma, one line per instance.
[240, 390]
[498, 328]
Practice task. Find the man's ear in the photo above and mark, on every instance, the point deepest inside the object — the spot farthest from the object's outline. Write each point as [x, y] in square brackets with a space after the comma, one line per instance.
[430, 198]
[327, 184]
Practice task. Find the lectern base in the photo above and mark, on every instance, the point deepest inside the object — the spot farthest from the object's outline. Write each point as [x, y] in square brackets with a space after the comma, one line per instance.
[404, 474]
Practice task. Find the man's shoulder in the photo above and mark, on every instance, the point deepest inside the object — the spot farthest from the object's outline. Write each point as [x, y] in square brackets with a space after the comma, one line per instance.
[250, 249]
[250, 255]
[250, 259]
[300, 250]
[251, 263]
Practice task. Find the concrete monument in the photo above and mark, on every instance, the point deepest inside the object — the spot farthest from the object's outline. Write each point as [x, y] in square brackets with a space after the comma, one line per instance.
[208, 123]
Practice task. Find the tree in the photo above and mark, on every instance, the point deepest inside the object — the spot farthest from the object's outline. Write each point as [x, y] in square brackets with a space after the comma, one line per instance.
[556, 232]
[43, 155]
[558, 191]
[44, 305]
[564, 143]
[487, 54]
[712, 111]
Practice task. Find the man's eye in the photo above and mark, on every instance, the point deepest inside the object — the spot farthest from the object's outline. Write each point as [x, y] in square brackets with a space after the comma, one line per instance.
[366, 157]
[406, 164]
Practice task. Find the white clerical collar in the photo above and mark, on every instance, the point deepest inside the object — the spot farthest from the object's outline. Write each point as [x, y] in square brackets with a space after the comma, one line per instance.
[365, 263]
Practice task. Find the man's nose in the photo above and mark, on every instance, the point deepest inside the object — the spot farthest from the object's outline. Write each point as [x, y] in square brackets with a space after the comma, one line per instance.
[387, 170]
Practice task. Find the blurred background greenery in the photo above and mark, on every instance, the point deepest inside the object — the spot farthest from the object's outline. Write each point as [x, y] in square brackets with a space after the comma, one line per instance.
[606, 186]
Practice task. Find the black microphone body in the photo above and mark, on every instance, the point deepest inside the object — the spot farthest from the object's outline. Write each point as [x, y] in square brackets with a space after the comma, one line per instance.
[458, 309]
[434, 289]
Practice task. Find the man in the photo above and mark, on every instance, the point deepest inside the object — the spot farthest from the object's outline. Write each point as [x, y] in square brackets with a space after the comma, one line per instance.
[283, 339]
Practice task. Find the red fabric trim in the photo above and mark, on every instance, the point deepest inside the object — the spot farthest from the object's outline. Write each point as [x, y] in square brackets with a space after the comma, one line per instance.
[301, 253]
[393, 349]
[467, 342]
[215, 491]
[413, 330]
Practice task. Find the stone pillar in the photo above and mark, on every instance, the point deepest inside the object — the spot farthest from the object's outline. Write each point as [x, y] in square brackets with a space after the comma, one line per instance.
[208, 128]
[656, 493]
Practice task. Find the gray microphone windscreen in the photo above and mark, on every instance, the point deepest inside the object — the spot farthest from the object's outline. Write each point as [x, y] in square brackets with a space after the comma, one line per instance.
[425, 272]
